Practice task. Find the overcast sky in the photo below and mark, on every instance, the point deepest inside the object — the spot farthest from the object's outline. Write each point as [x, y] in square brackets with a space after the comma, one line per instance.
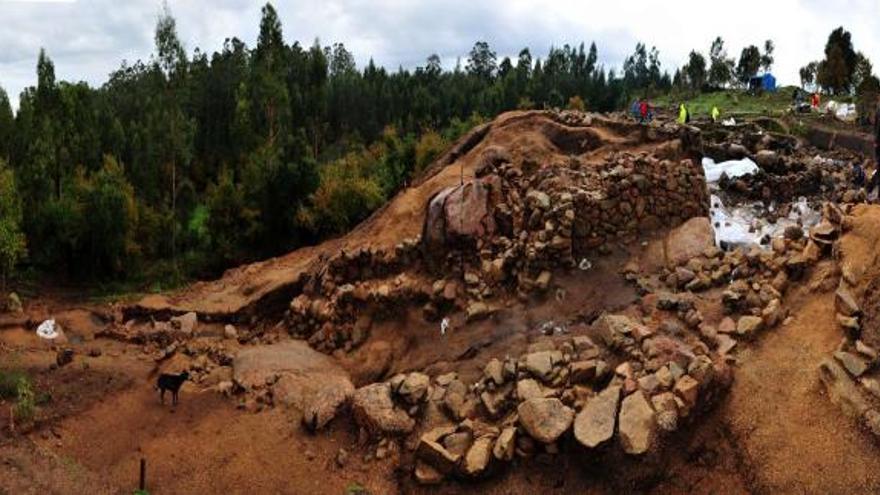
[87, 39]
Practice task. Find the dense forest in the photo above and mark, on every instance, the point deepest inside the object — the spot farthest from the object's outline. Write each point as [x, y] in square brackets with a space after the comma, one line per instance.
[188, 163]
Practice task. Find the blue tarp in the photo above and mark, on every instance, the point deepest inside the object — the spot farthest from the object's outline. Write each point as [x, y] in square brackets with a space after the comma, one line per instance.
[764, 82]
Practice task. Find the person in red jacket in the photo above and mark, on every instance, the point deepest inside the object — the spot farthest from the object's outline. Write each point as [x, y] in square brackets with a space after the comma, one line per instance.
[643, 111]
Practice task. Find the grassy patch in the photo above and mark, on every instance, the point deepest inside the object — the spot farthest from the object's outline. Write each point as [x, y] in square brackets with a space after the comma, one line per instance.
[732, 103]
[17, 386]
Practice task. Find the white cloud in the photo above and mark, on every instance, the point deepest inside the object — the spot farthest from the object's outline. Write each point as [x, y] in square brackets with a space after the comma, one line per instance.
[87, 39]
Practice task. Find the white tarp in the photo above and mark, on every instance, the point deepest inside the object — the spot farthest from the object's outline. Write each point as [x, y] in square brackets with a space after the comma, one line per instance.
[842, 111]
[47, 330]
[733, 168]
[745, 224]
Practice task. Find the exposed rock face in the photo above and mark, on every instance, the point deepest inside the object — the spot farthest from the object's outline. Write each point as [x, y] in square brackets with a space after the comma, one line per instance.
[186, 323]
[319, 400]
[374, 409]
[594, 425]
[463, 212]
[689, 240]
[842, 389]
[545, 419]
[637, 424]
[300, 376]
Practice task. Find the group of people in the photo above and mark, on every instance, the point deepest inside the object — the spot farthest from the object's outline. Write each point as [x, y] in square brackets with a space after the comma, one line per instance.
[799, 96]
[643, 112]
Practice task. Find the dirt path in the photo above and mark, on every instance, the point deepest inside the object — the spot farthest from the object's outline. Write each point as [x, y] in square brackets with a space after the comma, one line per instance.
[793, 440]
[207, 445]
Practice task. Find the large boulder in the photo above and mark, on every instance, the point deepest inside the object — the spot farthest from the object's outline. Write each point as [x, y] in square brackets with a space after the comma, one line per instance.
[594, 425]
[545, 419]
[689, 240]
[374, 409]
[637, 424]
[319, 398]
[301, 378]
[461, 213]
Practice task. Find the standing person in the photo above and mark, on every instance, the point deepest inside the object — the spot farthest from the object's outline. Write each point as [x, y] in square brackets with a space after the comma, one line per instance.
[858, 175]
[715, 114]
[683, 117]
[815, 101]
[643, 111]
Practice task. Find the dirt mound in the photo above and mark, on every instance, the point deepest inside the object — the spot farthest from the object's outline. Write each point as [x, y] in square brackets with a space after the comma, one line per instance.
[530, 139]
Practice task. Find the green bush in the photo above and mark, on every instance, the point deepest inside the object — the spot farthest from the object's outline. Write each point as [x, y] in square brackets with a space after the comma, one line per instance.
[12, 240]
[16, 385]
[9, 380]
[348, 193]
[25, 405]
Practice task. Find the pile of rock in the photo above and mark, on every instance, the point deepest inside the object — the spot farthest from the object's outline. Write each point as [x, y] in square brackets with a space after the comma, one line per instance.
[505, 231]
[342, 318]
[754, 281]
[628, 388]
[546, 218]
[291, 374]
[850, 374]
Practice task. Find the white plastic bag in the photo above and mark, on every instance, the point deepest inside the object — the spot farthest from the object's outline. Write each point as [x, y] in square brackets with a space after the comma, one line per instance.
[47, 330]
[733, 168]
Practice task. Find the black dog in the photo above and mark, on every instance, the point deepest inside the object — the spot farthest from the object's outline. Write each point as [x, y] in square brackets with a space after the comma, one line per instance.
[172, 383]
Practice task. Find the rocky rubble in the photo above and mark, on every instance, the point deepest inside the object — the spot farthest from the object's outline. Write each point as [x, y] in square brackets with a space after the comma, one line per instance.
[851, 375]
[623, 385]
[504, 232]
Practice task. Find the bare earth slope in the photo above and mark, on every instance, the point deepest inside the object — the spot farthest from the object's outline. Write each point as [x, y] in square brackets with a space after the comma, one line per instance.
[526, 134]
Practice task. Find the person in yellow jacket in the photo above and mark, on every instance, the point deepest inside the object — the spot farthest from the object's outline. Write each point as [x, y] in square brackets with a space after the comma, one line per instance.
[683, 117]
[715, 114]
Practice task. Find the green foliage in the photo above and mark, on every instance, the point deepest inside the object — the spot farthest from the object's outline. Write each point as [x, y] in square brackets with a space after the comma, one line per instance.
[7, 125]
[835, 73]
[430, 145]
[749, 63]
[721, 68]
[24, 407]
[733, 103]
[9, 380]
[694, 72]
[253, 151]
[349, 191]
[16, 385]
[355, 488]
[107, 200]
[229, 222]
[867, 98]
[12, 240]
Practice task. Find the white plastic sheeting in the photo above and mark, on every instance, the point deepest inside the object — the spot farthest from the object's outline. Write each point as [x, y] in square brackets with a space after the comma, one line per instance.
[842, 111]
[733, 168]
[745, 224]
[47, 330]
